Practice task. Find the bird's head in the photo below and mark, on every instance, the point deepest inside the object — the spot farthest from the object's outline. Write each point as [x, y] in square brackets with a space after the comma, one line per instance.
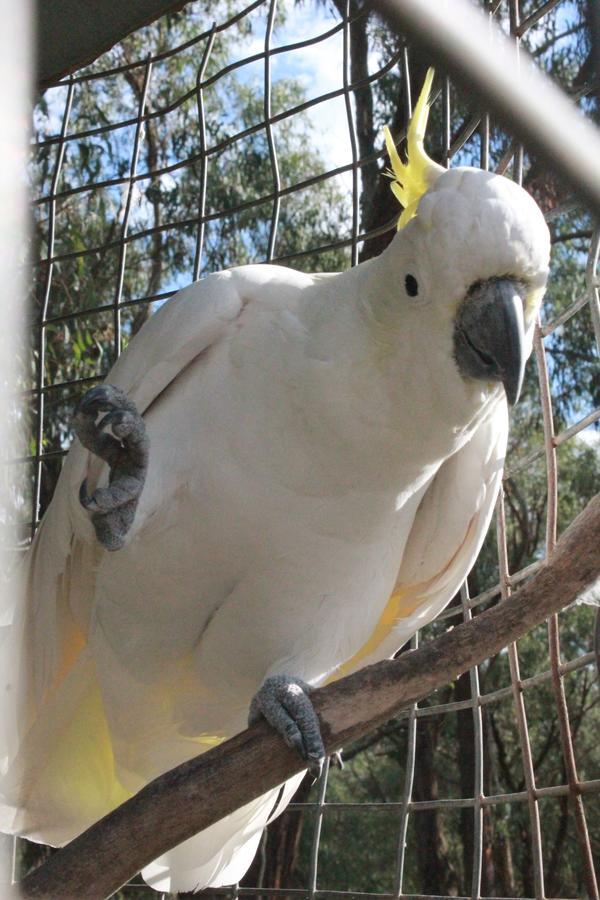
[474, 249]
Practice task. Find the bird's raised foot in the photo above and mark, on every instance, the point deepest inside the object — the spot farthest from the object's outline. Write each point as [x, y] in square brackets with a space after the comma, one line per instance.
[285, 703]
[125, 448]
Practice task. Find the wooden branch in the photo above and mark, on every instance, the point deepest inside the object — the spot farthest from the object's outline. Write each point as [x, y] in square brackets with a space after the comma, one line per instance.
[194, 795]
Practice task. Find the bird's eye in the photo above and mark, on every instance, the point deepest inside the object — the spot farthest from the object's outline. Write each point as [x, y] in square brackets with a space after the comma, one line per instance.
[412, 285]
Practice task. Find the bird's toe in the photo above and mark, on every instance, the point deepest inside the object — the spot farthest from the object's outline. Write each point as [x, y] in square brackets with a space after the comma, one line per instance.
[285, 703]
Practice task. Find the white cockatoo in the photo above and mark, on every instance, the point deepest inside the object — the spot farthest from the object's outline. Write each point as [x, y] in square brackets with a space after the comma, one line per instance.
[320, 456]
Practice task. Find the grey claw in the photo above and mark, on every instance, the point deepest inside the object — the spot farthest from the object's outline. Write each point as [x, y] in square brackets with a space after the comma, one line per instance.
[102, 398]
[336, 759]
[126, 452]
[291, 735]
[86, 501]
[89, 399]
[316, 768]
[285, 703]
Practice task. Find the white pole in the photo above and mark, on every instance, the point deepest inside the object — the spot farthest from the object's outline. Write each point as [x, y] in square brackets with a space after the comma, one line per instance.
[16, 82]
[532, 106]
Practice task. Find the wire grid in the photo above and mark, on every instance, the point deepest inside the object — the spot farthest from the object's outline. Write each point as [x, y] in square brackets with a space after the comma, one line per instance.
[405, 807]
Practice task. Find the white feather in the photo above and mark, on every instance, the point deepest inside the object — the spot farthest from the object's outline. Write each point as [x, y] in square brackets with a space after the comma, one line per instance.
[313, 445]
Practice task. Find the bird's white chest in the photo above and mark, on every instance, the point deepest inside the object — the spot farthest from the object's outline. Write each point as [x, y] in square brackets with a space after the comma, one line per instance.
[263, 542]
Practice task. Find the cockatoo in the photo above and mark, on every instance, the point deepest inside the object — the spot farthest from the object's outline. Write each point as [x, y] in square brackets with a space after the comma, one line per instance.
[294, 473]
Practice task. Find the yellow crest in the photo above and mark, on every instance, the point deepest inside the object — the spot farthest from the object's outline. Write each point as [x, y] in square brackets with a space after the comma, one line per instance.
[414, 177]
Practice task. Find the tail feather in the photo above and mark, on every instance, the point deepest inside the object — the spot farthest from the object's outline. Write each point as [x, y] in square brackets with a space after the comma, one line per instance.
[219, 855]
[63, 777]
[63, 761]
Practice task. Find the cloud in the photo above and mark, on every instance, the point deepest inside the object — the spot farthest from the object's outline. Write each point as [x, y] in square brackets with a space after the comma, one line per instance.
[319, 69]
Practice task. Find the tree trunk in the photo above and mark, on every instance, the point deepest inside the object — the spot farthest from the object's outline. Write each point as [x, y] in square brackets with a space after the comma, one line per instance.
[363, 98]
[436, 875]
[142, 311]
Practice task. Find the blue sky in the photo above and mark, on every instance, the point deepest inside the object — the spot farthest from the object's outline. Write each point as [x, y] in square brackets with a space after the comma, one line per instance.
[318, 68]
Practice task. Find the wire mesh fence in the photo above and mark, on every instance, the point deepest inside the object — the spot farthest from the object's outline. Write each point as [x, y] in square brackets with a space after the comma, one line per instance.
[192, 147]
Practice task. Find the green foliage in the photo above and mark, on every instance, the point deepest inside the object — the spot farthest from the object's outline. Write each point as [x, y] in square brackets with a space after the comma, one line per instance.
[78, 292]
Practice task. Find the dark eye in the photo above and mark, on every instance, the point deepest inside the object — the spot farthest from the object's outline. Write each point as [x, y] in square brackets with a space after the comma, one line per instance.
[412, 286]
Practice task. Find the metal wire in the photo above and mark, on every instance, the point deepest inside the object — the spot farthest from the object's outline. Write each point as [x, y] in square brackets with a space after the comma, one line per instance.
[125, 223]
[44, 308]
[352, 133]
[521, 717]
[409, 774]
[203, 155]
[269, 130]
[457, 135]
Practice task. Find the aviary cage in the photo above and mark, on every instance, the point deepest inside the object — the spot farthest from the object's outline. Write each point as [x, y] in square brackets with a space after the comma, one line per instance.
[227, 134]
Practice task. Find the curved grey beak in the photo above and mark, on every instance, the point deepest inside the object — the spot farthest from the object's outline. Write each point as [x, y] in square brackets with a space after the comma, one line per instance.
[489, 334]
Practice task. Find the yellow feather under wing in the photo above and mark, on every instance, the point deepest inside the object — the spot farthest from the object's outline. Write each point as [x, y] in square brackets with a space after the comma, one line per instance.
[446, 535]
[403, 602]
[61, 767]
[67, 773]
[63, 777]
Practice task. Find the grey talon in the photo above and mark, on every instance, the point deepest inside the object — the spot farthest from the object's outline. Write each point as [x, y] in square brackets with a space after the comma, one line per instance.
[285, 703]
[126, 452]
[315, 768]
[83, 494]
[337, 760]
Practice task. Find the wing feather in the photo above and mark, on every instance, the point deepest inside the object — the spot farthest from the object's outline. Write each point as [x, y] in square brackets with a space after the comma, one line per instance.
[44, 638]
[449, 528]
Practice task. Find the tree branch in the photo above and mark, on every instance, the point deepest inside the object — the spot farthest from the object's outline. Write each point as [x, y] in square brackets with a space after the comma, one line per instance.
[194, 795]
